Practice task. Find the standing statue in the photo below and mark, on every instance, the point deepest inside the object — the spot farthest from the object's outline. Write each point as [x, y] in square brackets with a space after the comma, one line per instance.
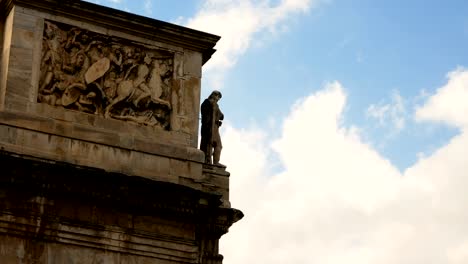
[211, 121]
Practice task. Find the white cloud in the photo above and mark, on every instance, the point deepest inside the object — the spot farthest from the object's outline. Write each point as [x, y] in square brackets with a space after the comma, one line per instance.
[337, 200]
[449, 104]
[459, 254]
[237, 21]
[393, 113]
[148, 5]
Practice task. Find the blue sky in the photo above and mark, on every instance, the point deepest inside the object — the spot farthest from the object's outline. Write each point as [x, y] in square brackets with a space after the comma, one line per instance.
[343, 109]
[374, 48]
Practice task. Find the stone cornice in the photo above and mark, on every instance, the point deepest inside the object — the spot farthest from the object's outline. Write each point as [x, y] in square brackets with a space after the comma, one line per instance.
[58, 179]
[124, 22]
[111, 238]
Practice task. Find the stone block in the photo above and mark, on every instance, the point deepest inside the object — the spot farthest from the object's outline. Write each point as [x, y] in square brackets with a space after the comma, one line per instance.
[18, 81]
[25, 21]
[18, 84]
[189, 122]
[179, 64]
[20, 58]
[166, 227]
[192, 63]
[23, 38]
[179, 168]
[8, 135]
[150, 165]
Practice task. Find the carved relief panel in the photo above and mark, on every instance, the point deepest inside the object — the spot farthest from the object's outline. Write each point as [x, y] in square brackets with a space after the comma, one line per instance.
[107, 76]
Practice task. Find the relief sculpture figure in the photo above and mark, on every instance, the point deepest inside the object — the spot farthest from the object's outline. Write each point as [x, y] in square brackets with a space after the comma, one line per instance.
[210, 122]
[103, 75]
[51, 62]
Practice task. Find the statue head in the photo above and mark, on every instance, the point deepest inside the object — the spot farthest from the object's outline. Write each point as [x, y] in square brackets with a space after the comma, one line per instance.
[128, 51]
[80, 59]
[50, 29]
[215, 95]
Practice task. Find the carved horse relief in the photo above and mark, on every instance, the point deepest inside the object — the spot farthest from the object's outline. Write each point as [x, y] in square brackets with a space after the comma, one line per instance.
[103, 75]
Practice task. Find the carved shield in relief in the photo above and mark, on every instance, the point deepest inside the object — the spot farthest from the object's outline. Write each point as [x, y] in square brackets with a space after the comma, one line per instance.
[97, 70]
[70, 96]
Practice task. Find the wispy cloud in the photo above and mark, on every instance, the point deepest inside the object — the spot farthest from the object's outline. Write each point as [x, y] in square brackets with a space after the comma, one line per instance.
[237, 22]
[390, 115]
[148, 5]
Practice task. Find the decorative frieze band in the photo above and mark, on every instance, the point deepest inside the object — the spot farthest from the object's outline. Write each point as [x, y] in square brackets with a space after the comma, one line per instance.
[104, 75]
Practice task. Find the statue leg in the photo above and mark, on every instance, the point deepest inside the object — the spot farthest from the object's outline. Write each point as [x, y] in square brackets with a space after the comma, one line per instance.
[217, 152]
[208, 153]
[47, 80]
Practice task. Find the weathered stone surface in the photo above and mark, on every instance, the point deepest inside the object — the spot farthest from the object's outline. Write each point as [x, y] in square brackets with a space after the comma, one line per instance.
[192, 64]
[85, 153]
[6, 43]
[100, 74]
[216, 180]
[60, 207]
[177, 45]
[86, 178]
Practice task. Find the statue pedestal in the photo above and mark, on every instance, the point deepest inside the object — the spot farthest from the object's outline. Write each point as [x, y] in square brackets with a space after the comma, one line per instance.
[98, 139]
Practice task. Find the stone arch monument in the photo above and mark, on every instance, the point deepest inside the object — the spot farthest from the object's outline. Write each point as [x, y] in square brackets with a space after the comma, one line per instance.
[98, 139]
